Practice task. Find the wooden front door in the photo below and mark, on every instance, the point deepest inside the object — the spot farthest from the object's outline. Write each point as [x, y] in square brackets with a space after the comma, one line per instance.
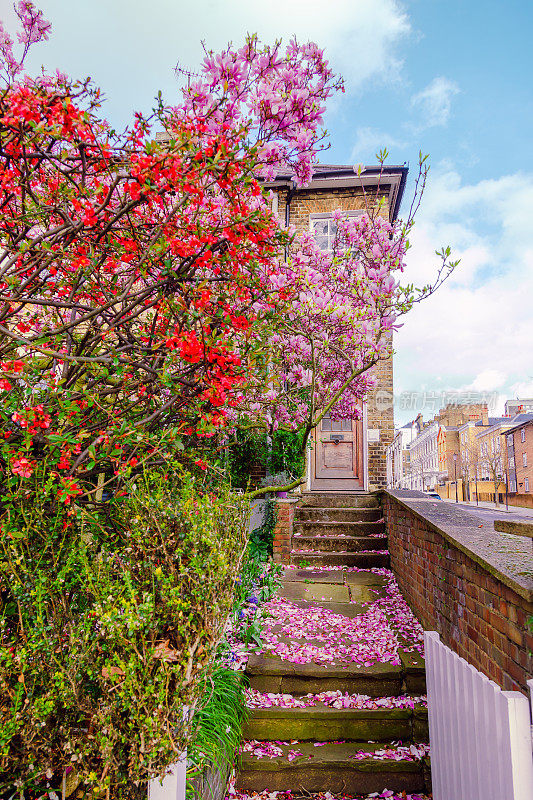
[337, 458]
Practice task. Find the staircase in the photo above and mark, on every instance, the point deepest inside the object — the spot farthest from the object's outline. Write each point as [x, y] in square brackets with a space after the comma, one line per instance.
[339, 529]
[321, 748]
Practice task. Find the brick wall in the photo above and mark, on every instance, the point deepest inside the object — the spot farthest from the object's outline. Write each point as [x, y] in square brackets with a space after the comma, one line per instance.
[283, 530]
[477, 615]
[380, 415]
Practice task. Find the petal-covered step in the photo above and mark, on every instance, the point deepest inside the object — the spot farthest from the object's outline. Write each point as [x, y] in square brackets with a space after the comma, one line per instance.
[343, 558]
[338, 500]
[338, 542]
[316, 514]
[336, 767]
[273, 674]
[335, 528]
[322, 723]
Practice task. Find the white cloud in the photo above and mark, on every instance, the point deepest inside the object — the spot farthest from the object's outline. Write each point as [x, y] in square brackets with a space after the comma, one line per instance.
[360, 36]
[522, 388]
[488, 381]
[476, 332]
[370, 141]
[435, 102]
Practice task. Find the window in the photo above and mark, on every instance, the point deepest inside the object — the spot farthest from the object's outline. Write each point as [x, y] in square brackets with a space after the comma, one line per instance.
[524, 459]
[511, 461]
[512, 485]
[324, 228]
[329, 424]
[526, 484]
[523, 435]
[510, 440]
[324, 231]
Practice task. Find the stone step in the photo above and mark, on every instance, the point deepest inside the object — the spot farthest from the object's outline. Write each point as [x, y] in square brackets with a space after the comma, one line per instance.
[338, 500]
[349, 528]
[273, 674]
[339, 543]
[309, 514]
[329, 768]
[321, 723]
[344, 558]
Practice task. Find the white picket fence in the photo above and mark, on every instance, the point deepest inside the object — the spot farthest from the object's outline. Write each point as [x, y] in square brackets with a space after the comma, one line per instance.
[173, 785]
[480, 736]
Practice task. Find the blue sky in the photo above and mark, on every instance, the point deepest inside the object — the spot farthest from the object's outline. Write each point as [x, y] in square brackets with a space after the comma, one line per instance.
[452, 79]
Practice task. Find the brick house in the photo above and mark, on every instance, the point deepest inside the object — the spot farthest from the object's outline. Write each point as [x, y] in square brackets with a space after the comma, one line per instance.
[519, 443]
[346, 455]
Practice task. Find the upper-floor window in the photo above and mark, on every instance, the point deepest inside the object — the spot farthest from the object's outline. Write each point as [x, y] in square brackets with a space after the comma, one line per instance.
[324, 228]
[524, 459]
[523, 435]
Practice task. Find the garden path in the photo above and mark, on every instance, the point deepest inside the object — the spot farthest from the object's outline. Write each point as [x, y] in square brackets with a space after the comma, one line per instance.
[338, 690]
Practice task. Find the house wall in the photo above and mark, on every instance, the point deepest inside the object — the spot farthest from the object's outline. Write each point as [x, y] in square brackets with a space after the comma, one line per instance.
[520, 448]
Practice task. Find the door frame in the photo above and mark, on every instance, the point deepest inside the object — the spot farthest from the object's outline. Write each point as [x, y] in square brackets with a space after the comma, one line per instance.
[311, 451]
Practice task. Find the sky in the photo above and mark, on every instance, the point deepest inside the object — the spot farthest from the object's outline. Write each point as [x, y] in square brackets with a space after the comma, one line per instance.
[451, 78]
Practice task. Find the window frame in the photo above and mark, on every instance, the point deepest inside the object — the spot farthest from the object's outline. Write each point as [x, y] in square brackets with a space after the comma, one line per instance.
[328, 216]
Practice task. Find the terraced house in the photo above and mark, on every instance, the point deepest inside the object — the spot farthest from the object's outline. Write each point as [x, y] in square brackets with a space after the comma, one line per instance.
[349, 454]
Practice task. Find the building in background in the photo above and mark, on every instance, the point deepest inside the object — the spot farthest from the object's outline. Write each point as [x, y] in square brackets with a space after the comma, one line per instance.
[424, 458]
[492, 462]
[519, 443]
[519, 406]
[398, 457]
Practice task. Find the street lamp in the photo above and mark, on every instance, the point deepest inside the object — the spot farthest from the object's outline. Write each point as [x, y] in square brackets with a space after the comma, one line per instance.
[455, 470]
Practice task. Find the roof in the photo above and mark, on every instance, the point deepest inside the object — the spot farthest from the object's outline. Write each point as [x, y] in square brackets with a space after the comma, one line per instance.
[519, 421]
[331, 176]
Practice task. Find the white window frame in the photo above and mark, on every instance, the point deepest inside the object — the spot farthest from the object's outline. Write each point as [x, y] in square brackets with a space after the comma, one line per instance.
[328, 215]
[526, 484]
[523, 435]
[524, 459]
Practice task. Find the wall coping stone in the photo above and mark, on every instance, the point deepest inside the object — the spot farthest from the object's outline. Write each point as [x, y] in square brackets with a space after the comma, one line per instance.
[510, 561]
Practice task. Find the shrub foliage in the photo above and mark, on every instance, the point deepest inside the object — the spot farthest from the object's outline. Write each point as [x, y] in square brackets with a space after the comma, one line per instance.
[109, 630]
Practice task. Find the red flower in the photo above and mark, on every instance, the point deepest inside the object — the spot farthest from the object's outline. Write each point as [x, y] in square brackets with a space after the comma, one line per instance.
[5, 386]
[12, 366]
[22, 467]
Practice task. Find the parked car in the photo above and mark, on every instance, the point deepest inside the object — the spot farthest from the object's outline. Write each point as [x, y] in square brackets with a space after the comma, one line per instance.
[434, 495]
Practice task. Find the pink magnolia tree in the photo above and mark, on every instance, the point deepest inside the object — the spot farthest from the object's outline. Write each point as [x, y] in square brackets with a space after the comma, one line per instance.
[342, 308]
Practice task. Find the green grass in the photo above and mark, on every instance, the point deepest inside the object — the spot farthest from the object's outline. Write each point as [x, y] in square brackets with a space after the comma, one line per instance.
[217, 722]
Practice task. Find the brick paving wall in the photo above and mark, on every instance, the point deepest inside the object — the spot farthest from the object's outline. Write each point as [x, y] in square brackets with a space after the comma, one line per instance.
[283, 530]
[476, 615]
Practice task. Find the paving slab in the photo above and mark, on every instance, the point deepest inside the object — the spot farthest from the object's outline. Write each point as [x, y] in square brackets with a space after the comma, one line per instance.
[365, 587]
[297, 590]
[329, 576]
[350, 610]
